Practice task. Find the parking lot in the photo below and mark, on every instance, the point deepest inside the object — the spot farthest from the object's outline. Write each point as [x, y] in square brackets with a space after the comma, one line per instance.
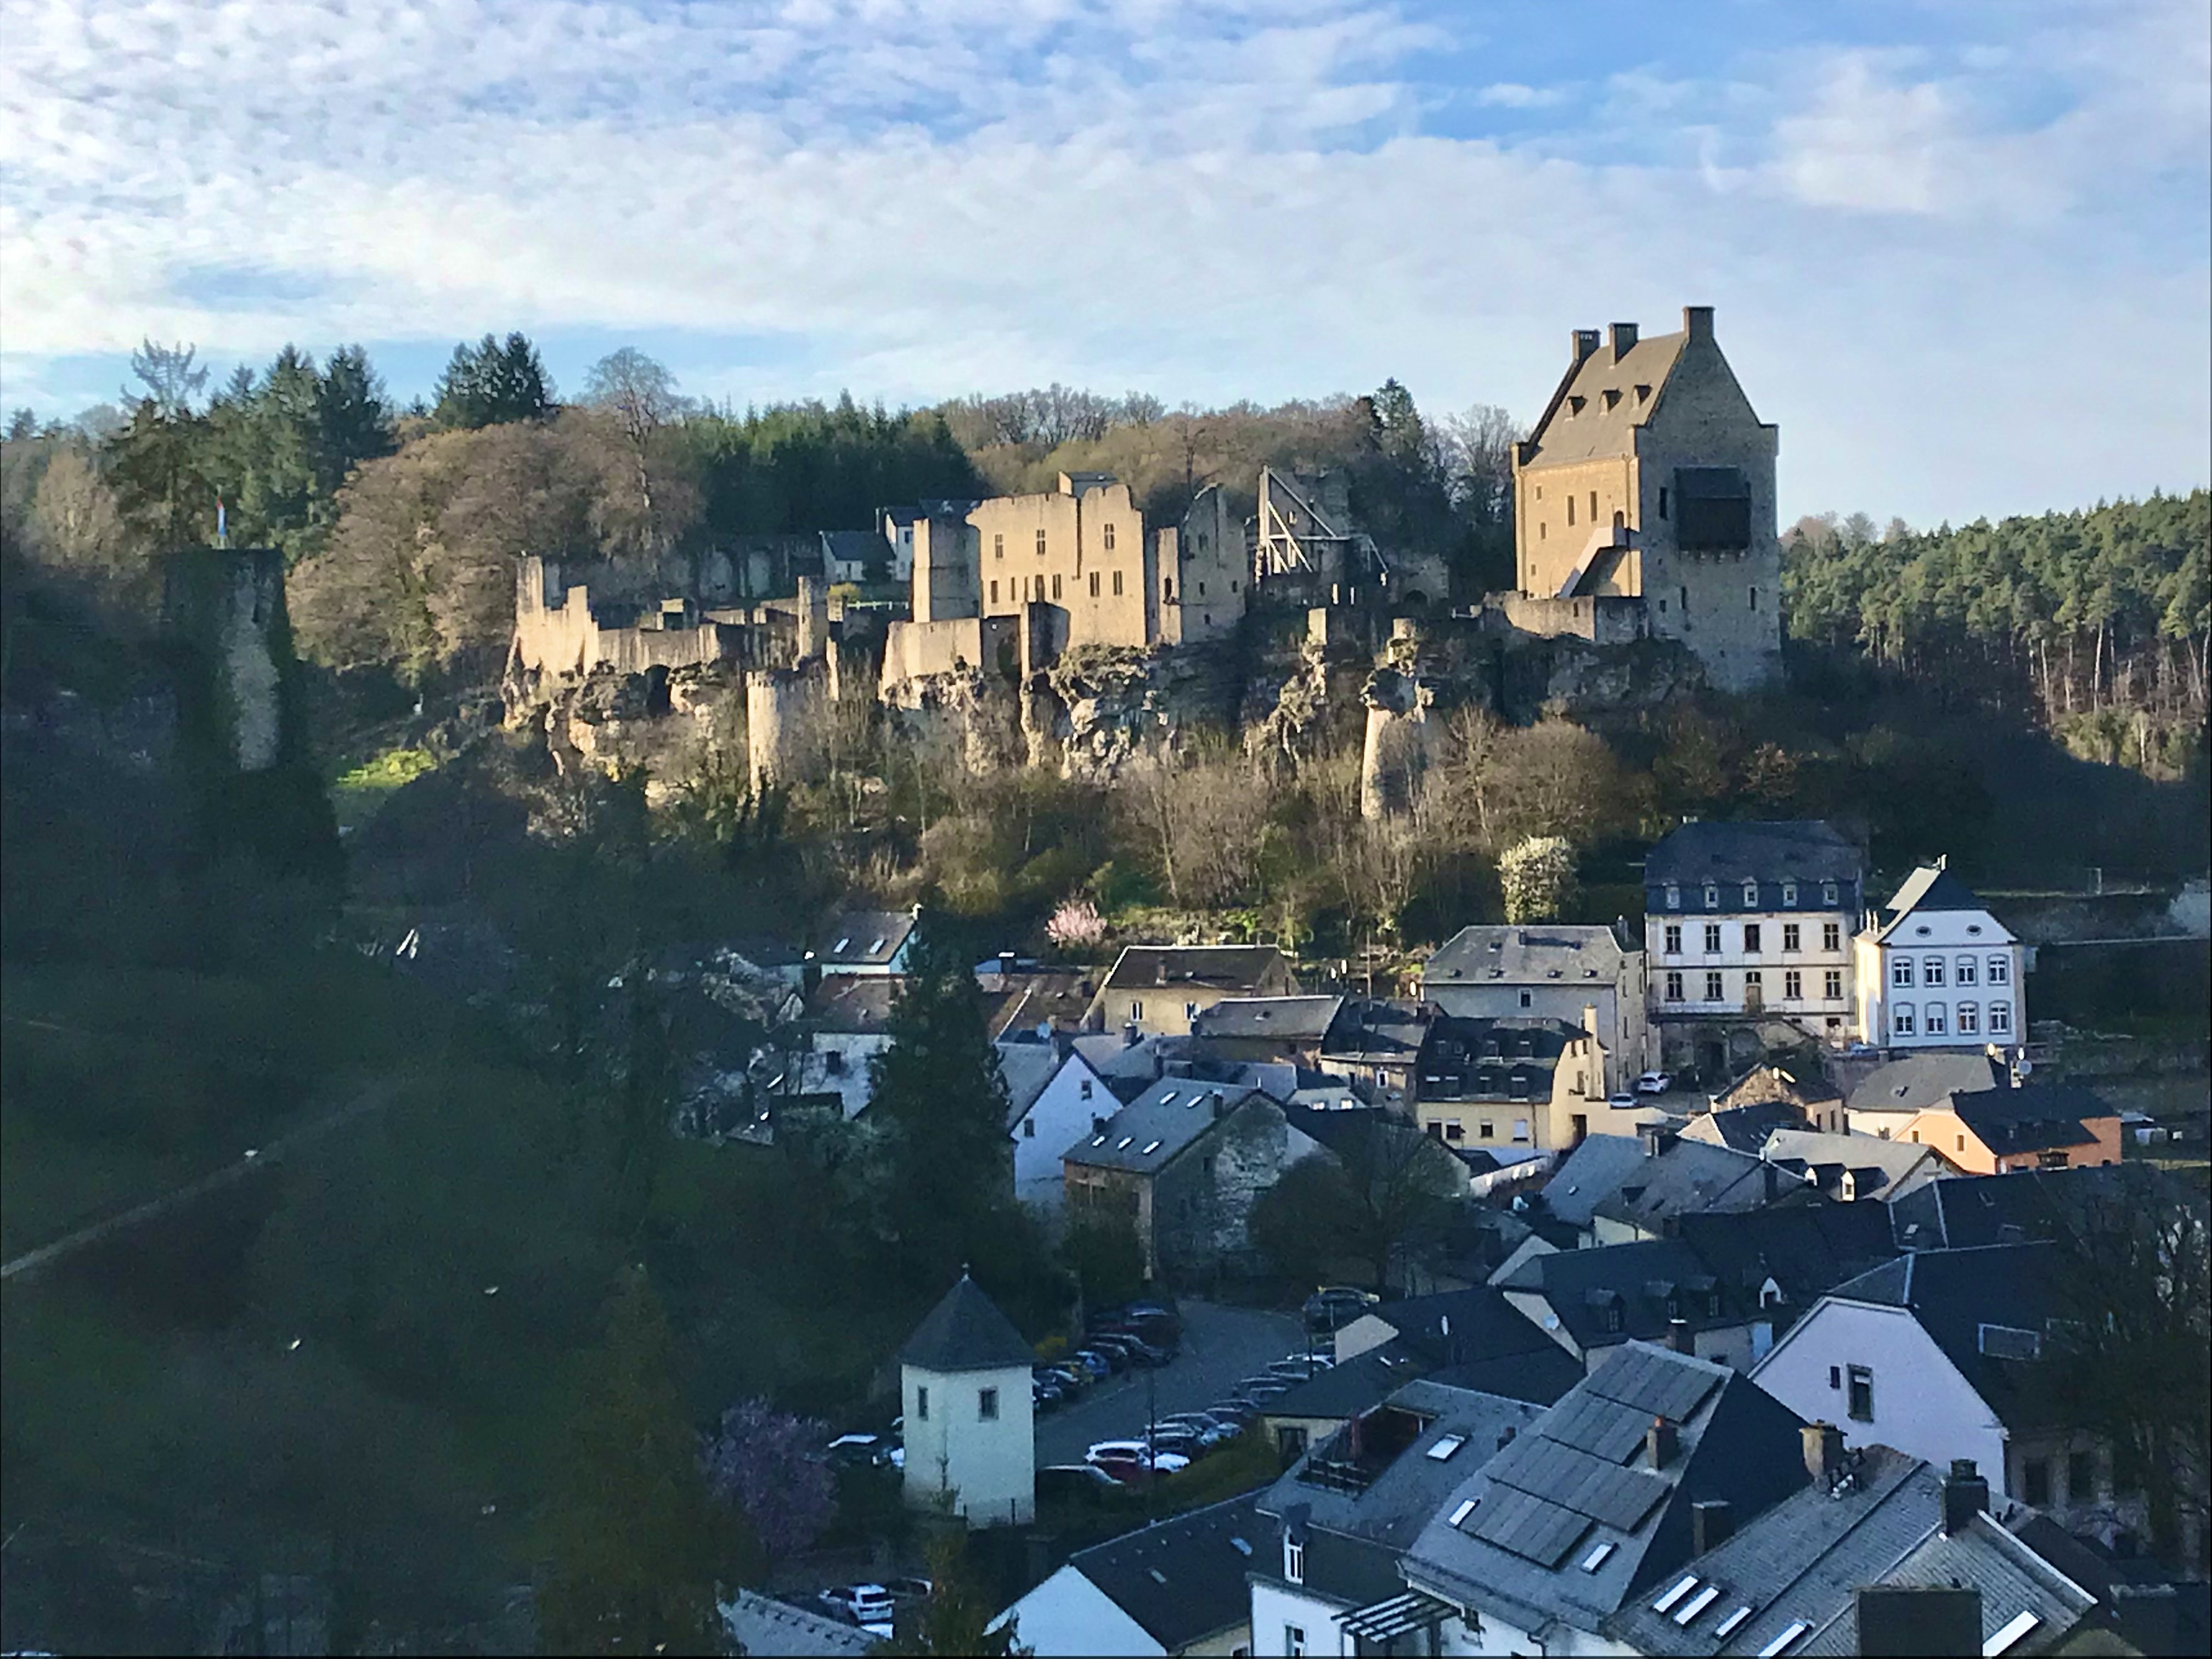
[1221, 1347]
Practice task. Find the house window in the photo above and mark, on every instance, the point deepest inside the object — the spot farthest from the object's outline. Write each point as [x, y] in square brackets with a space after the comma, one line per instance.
[1750, 895]
[2035, 1482]
[1521, 1129]
[1167, 590]
[986, 1405]
[1673, 896]
[998, 547]
[1712, 896]
[921, 1404]
[1901, 1020]
[1754, 985]
[1453, 1131]
[1106, 537]
[1790, 937]
[1662, 501]
[1751, 939]
[1832, 936]
[2081, 1477]
[1094, 584]
[1789, 894]
[1673, 987]
[1938, 1020]
[1028, 1128]
[1040, 544]
[1294, 1560]
[1525, 998]
[1712, 939]
[1674, 938]
[1056, 585]
[1831, 983]
[2000, 970]
[1793, 984]
[1860, 1401]
[1518, 1087]
[1970, 1019]
[1117, 584]
[1965, 971]
[1571, 512]
[1932, 971]
[2000, 1018]
[1294, 1637]
[1593, 506]
[1136, 1010]
[994, 592]
[1827, 892]
[1488, 1131]
[1713, 990]
[1900, 971]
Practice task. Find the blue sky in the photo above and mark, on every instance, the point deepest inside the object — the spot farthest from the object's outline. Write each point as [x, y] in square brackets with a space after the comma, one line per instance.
[1960, 251]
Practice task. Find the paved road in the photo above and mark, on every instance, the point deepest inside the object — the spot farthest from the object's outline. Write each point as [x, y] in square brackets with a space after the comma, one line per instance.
[1221, 1347]
[376, 1095]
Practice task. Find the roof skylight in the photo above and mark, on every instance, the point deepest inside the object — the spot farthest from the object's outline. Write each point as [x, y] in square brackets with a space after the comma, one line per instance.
[1151, 1146]
[1122, 1144]
[1795, 1628]
[1698, 1603]
[1731, 1621]
[1465, 1509]
[2003, 1639]
[1595, 1558]
[1446, 1446]
[1680, 1589]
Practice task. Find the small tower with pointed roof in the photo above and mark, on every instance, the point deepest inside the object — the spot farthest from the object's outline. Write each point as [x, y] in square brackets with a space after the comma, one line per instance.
[971, 1431]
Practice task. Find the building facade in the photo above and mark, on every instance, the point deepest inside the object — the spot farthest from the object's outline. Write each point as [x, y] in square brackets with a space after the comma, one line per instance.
[1747, 925]
[970, 1430]
[1936, 970]
[1650, 477]
[1550, 970]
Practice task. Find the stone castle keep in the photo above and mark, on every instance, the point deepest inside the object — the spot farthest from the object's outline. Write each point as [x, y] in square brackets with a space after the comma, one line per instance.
[1065, 628]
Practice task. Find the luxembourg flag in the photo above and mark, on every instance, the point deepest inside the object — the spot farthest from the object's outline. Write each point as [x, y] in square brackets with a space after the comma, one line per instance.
[221, 525]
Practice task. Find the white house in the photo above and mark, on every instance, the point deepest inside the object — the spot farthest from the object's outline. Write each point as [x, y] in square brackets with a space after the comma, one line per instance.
[1744, 925]
[1933, 1353]
[1177, 1587]
[970, 1430]
[1935, 970]
[1052, 1101]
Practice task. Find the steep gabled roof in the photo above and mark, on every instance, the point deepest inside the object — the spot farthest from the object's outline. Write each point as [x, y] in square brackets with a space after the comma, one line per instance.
[2033, 1117]
[1918, 1081]
[1746, 1128]
[1807, 1251]
[1249, 967]
[966, 1332]
[1291, 1019]
[863, 938]
[1566, 434]
[1931, 888]
[1155, 1128]
[1539, 953]
[1183, 1579]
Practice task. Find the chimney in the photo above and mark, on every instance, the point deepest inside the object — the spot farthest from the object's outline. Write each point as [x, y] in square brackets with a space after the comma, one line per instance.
[1824, 1453]
[1220, 1105]
[1584, 345]
[1697, 322]
[1097, 1124]
[1589, 1018]
[1624, 338]
[1006, 962]
[1965, 1495]
[1678, 1338]
[1656, 1138]
[1660, 1444]
[1712, 1521]
[1129, 1034]
[1773, 1178]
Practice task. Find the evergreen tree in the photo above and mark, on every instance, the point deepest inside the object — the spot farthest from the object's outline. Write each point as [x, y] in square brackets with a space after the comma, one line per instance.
[941, 1103]
[355, 417]
[494, 382]
[633, 1542]
[957, 1618]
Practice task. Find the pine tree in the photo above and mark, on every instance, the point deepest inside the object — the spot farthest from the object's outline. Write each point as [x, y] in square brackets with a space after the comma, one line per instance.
[633, 1541]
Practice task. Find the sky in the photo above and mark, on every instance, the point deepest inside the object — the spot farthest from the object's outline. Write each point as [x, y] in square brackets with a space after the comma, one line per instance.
[1962, 250]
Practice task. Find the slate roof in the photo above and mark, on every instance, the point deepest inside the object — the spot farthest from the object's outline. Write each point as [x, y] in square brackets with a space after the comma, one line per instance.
[1650, 1284]
[1881, 1165]
[852, 1004]
[2032, 1117]
[1802, 850]
[764, 1625]
[1231, 966]
[1029, 998]
[1152, 1130]
[1807, 1250]
[1373, 1031]
[1525, 1538]
[1288, 1019]
[1541, 953]
[1568, 434]
[1918, 1081]
[852, 546]
[1403, 1494]
[2010, 1209]
[1954, 1294]
[1458, 1064]
[966, 1332]
[1746, 1128]
[1806, 1087]
[1028, 1068]
[1803, 1560]
[1613, 1176]
[1931, 887]
[1482, 1324]
[1183, 1579]
[859, 938]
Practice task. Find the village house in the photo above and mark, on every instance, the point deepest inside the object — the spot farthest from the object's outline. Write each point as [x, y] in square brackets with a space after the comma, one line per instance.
[1553, 971]
[2037, 1126]
[846, 1024]
[1809, 1575]
[1519, 1081]
[1743, 1128]
[1936, 970]
[1052, 1095]
[1164, 988]
[1027, 998]
[1292, 1029]
[1616, 1189]
[1816, 1101]
[971, 1427]
[1595, 1302]
[872, 942]
[1177, 1587]
[1377, 1046]
[1350, 1507]
[1853, 1168]
[1747, 927]
[1889, 1097]
[1616, 1484]
[1643, 503]
[1183, 1163]
[1937, 1354]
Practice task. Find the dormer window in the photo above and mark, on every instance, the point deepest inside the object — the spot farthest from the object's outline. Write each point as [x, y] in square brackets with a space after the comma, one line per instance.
[1712, 896]
[1575, 404]
[1789, 894]
[1751, 896]
[1613, 397]
[1827, 892]
[1673, 896]
[1644, 396]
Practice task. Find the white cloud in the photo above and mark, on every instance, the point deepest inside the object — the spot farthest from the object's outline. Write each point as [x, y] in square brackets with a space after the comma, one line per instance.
[1209, 200]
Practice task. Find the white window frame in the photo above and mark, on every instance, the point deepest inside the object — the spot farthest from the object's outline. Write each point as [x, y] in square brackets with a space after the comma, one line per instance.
[1901, 1020]
[1294, 1560]
[1970, 1019]
[1999, 1020]
[2000, 970]
[1931, 971]
[1965, 971]
[1935, 1020]
[1901, 973]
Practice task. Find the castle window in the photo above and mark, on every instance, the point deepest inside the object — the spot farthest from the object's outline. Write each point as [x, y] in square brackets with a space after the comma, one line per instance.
[1056, 585]
[1542, 531]
[1117, 584]
[1686, 601]
[1593, 506]
[998, 546]
[994, 592]
[1663, 494]
[1167, 590]
[1754, 599]
[1040, 544]
[1094, 584]
[1575, 404]
[1201, 590]
[1612, 396]
[1106, 537]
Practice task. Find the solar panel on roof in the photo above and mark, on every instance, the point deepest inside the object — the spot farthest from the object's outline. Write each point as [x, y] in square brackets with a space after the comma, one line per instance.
[1589, 1486]
[1604, 1428]
[1530, 1527]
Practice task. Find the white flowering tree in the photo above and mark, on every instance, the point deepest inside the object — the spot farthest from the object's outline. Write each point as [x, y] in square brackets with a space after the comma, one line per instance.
[1538, 876]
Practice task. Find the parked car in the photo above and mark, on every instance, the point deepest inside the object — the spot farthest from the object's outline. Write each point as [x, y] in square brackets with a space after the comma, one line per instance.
[1622, 1103]
[1184, 1443]
[1298, 1369]
[1129, 1467]
[1095, 1365]
[908, 1589]
[1236, 1410]
[1654, 1083]
[1079, 1483]
[868, 1606]
[1335, 1306]
[1076, 1376]
[857, 1451]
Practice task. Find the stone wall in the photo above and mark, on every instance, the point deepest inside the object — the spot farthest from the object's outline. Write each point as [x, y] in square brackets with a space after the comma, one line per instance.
[1602, 619]
[1202, 1202]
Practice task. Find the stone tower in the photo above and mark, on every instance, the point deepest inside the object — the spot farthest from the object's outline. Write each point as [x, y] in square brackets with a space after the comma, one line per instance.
[971, 1431]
